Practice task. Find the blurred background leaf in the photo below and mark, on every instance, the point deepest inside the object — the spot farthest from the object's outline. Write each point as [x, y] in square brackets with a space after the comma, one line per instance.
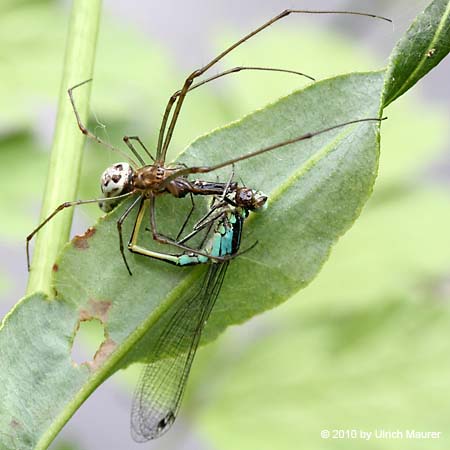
[20, 155]
[380, 366]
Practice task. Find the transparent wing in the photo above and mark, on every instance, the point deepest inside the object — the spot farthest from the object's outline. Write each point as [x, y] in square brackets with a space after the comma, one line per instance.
[160, 389]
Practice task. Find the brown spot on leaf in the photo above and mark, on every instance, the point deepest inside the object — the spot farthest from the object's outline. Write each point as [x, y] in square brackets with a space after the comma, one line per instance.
[81, 241]
[14, 424]
[55, 267]
[100, 309]
[102, 354]
[85, 315]
[96, 309]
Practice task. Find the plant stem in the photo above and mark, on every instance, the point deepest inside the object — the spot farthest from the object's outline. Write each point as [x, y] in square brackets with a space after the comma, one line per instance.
[67, 147]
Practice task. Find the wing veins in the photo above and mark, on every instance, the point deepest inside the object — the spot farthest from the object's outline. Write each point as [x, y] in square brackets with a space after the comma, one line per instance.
[162, 383]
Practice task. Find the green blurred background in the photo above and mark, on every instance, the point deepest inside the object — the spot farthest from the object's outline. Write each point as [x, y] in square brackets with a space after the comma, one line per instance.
[366, 345]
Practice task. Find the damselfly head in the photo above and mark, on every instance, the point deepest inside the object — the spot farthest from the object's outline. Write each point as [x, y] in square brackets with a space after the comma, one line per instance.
[250, 199]
[115, 180]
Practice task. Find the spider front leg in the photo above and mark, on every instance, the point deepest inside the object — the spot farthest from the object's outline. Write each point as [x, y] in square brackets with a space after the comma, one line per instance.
[83, 128]
[165, 138]
[191, 256]
[127, 140]
[119, 227]
[177, 260]
[60, 208]
[183, 92]
[186, 220]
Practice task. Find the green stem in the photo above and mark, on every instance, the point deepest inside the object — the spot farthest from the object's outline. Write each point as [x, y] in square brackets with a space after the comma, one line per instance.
[67, 148]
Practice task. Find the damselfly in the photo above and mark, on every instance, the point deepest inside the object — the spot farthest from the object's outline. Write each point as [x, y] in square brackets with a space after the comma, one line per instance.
[148, 181]
[160, 389]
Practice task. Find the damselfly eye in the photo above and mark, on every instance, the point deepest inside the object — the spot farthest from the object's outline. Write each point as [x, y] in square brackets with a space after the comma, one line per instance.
[259, 200]
[115, 180]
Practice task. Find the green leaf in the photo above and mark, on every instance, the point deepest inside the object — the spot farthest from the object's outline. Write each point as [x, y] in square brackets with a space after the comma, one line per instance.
[424, 45]
[317, 189]
[35, 349]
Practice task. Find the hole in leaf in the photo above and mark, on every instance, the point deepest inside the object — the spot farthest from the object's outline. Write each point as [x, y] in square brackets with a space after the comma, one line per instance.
[88, 339]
